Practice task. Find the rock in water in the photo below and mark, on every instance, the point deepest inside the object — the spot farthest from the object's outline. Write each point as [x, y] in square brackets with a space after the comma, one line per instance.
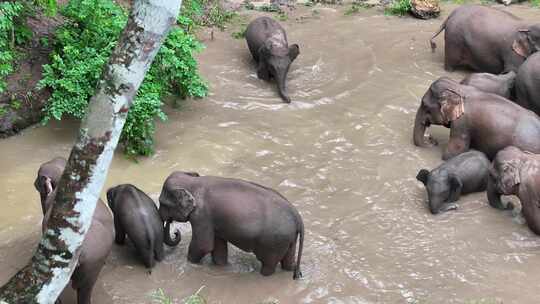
[425, 9]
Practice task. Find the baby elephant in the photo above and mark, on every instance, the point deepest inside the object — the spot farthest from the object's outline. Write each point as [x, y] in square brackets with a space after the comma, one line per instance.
[462, 174]
[515, 172]
[268, 45]
[502, 85]
[252, 217]
[136, 215]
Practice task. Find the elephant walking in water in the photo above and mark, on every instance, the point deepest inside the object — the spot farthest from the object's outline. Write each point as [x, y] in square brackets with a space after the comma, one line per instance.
[221, 210]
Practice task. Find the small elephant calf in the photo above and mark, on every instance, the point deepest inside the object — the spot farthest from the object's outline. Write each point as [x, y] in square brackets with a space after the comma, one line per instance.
[136, 215]
[462, 174]
[221, 210]
[516, 172]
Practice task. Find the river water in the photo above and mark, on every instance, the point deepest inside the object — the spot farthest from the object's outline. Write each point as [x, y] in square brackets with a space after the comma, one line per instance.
[342, 152]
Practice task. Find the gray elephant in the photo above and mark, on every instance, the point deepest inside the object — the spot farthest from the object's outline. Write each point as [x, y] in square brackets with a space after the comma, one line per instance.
[136, 215]
[463, 174]
[528, 84]
[99, 238]
[502, 84]
[251, 217]
[267, 42]
[486, 39]
[515, 172]
[477, 120]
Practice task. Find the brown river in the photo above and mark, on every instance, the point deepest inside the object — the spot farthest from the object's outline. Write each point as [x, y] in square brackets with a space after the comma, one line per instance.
[342, 153]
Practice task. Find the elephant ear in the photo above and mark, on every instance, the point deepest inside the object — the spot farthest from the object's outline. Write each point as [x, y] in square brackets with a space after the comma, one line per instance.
[294, 50]
[455, 188]
[110, 198]
[193, 174]
[185, 201]
[521, 45]
[452, 106]
[423, 176]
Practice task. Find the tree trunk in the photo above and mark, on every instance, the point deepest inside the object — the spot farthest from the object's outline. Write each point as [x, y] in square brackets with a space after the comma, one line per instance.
[49, 271]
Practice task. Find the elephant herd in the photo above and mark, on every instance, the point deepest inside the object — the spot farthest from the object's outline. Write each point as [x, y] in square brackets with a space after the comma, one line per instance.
[492, 115]
[494, 132]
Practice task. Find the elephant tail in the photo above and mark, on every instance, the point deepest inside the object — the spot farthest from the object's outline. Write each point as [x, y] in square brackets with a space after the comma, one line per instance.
[431, 42]
[297, 273]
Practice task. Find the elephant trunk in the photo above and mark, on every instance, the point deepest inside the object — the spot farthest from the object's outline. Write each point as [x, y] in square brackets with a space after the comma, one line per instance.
[281, 79]
[167, 235]
[493, 194]
[420, 125]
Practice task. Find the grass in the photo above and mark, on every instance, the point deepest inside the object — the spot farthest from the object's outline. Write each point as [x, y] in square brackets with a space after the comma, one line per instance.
[398, 8]
[356, 7]
[159, 297]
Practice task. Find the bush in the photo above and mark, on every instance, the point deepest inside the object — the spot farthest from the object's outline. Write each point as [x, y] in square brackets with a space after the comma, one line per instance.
[83, 45]
[13, 31]
[399, 8]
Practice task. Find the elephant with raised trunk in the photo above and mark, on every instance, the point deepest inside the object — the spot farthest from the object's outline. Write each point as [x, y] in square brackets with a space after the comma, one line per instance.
[98, 241]
[221, 210]
[486, 39]
[267, 42]
[463, 174]
[136, 216]
[515, 172]
[477, 120]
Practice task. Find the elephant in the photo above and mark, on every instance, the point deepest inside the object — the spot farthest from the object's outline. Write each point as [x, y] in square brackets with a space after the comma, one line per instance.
[267, 42]
[528, 84]
[136, 215]
[99, 238]
[250, 216]
[477, 120]
[486, 39]
[502, 85]
[516, 172]
[463, 174]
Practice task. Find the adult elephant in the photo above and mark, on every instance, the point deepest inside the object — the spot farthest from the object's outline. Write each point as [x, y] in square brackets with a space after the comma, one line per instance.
[486, 39]
[99, 238]
[477, 120]
[515, 172]
[502, 84]
[252, 217]
[528, 84]
[267, 42]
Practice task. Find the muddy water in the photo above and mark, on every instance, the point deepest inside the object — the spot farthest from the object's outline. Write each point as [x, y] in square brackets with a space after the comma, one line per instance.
[341, 152]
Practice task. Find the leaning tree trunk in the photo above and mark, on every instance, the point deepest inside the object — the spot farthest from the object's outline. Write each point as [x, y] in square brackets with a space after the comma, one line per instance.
[49, 271]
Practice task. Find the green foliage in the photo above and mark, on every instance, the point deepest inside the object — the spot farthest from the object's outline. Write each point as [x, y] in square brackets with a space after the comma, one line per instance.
[16, 104]
[398, 7]
[13, 30]
[240, 34]
[535, 3]
[82, 47]
[204, 13]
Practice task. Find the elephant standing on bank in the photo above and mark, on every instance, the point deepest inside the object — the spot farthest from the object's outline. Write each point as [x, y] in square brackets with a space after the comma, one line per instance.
[477, 120]
[136, 215]
[251, 217]
[267, 42]
[486, 39]
[99, 238]
[515, 172]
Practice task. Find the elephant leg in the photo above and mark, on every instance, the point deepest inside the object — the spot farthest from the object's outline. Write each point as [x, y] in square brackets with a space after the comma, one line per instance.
[287, 263]
[459, 140]
[159, 252]
[120, 233]
[84, 278]
[202, 243]
[452, 57]
[148, 258]
[269, 263]
[262, 72]
[84, 295]
[220, 252]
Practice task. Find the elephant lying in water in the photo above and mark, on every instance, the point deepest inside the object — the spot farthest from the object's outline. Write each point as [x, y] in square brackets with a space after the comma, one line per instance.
[477, 120]
[487, 39]
[267, 42]
[463, 174]
[136, 215]
[99, 238]
[252, 217]
[502, 85]
[515, 172]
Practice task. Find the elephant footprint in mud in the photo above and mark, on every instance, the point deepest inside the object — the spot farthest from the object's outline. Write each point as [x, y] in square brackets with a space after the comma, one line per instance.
[251, 217]
[267, 42]
[98, 241]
